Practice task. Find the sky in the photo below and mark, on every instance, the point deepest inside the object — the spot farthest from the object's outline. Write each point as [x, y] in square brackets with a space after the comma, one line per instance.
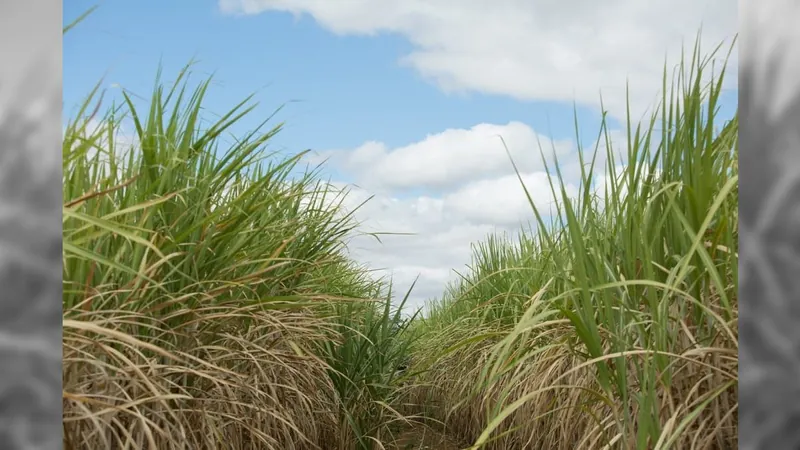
[405, 100]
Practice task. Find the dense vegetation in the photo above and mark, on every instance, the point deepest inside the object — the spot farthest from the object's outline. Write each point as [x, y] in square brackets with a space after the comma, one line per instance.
[617, 323]
[209, 302]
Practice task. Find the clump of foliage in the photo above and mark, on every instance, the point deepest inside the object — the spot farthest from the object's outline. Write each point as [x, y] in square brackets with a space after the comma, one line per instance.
[615, 324]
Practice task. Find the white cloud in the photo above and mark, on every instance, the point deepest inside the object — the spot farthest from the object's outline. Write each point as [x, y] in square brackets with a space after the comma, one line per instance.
[449, 158]
[440, 242]
[502, 200]
[527, 50]
[532, 50]
[475, 200]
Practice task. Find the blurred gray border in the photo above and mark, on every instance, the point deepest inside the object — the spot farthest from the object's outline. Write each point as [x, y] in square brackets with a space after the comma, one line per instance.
[769, 207]
[30, 224]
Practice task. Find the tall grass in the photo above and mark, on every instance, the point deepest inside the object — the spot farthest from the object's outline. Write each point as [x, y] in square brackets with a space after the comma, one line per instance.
[208, 302]
[614, 326]
[202, 282]
[362, 367]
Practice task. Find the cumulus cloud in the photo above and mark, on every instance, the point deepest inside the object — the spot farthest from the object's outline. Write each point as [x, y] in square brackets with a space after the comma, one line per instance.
[421, 239]
[503, 201]
[434, 232]
[457, 157]
[449, 158]
[543, 50]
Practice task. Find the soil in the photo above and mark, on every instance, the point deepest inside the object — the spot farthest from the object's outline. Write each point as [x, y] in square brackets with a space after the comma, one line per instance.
[420, 437]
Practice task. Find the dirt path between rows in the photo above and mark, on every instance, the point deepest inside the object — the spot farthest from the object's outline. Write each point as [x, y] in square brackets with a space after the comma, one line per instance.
[420, 437]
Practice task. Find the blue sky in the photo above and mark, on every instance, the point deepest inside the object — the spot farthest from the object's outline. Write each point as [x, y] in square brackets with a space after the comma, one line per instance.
[405, 98]
[344, 89]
